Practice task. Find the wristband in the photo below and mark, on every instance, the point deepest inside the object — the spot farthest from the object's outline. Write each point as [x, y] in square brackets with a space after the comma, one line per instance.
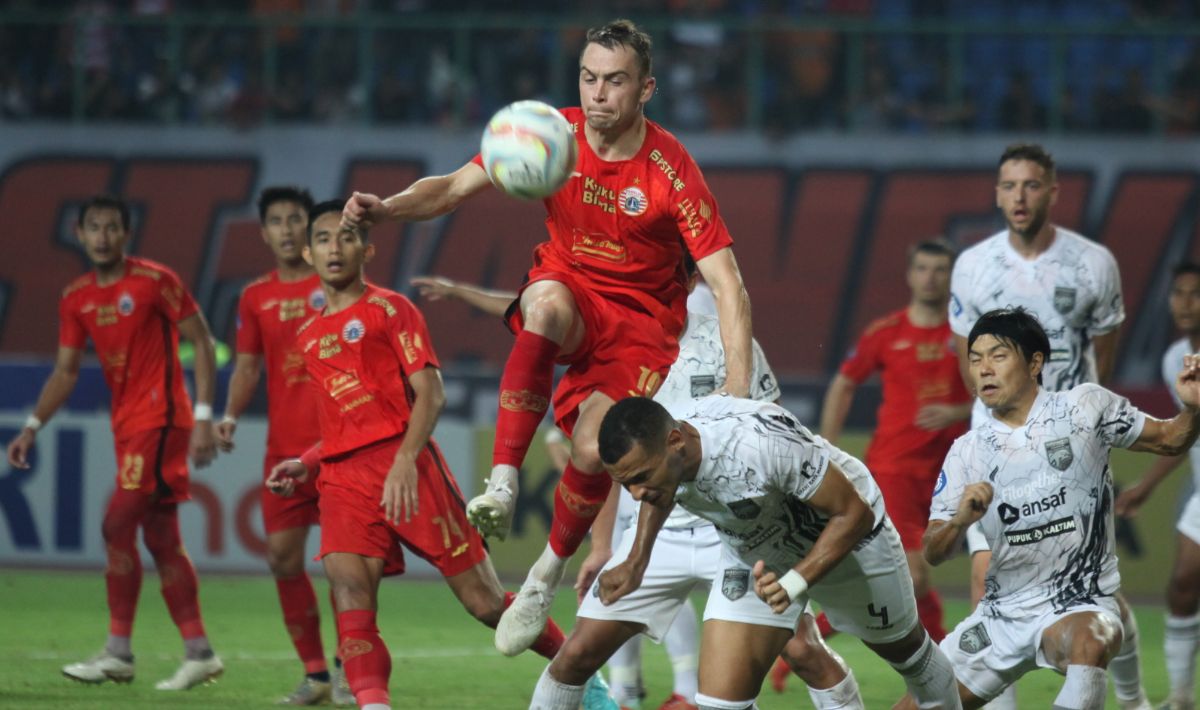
[794, 584]
[32, 423]
[202, 412]
[229, 419]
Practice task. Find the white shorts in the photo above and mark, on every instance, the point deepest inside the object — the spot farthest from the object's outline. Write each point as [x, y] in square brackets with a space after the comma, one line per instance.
[990, 653]
[1189, 520]
[685, 560]
[878, 605]
[976, 541]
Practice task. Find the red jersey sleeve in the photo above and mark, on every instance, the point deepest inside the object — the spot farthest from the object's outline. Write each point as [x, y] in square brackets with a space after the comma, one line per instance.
[410, 336]
[70, 330]
[696, 212]
[249, 335]
[864, 358]
[173, 299]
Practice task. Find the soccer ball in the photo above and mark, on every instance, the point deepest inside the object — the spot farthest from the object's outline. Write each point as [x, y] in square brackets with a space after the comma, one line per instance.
[528, 150]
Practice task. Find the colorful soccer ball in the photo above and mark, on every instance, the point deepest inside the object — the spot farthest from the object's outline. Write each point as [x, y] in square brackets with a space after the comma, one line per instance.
[528, 150]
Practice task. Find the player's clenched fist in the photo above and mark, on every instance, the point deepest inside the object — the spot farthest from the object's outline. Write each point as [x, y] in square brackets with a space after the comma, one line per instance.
[976, 499]
[364, 210]
[768, 588]
[1187, 384]
[619, 581]
[285, 476]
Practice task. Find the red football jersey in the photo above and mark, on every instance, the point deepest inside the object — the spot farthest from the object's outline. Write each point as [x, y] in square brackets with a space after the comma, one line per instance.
[622, 225]
[919, 367]
[359, 360]
[269, 313]
[132, 324]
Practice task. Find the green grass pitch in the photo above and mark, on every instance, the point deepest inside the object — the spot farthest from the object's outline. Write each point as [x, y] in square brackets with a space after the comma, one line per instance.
[441, 657]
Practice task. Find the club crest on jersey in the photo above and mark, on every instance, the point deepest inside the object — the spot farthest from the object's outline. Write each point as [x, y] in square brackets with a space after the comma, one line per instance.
[125, 304]
[735, 583]
[745, 509]
[632, 201]
[703, 385]
[316, 299]
[1060, 454]
[1064, 299]
[974, 639]
[353, 331]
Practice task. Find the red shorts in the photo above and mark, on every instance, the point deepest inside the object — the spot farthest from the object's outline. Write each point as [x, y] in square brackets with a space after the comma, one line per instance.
[626, 352]
[299, 510]
[155, 462]
[906, 498]
[352, 519]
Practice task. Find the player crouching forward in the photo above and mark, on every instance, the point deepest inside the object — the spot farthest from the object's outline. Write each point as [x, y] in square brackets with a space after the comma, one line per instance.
[382, 480]
[1035, 475]
[805, 515]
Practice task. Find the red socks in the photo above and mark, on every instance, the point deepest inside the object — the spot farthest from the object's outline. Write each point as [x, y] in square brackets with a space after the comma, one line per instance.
[525, 389]
[929, 610]
[180, 588]
[364, 656]
[123, 575]
[550, 641]
[577, 501]
[303, 621]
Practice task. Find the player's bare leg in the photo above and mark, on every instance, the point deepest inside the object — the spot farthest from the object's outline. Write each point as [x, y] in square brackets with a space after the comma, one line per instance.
[551, 324]
[365, 657]
[577, 500]
[591, 643]
[1081, 646]
[298, 600]
[484, 598]
[1183, 624]
[926, 671]
[734, 660]
[831, 683]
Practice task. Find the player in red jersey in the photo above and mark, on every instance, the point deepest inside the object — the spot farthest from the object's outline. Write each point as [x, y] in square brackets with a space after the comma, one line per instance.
[269, 312]
[382, 479]
[134, 310]
[606, 296]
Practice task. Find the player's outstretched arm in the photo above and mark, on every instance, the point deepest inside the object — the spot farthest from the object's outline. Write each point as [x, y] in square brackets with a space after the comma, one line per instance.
[425, 199]
[945, 537]
[720, 271]
[247, 370]
[627, 576]
[1173, 437]
[1132, 498]
[836, 407]
[55, 391]
[491, 302]
[203, 445]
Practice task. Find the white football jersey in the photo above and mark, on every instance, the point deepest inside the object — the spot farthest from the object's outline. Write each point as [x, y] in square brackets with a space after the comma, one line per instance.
[1172, 364]
[697, 372]
[1073, 288]
[759, 465]
[1050, 524]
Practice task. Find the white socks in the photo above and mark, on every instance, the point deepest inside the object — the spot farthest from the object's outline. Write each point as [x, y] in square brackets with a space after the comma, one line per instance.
[682, 641]
[376, 706]
[1180, 642]
[548, 569]
[1004, 701]
[624, 673]
[843, 696]
[549, 694]
[930, 678]
[1126, 667]
[707, 702]
[1084, 689]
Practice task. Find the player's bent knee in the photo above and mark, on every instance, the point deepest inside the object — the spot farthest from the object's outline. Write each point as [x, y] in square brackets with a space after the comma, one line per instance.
[803, 656]
[708, 702]
[575, 663]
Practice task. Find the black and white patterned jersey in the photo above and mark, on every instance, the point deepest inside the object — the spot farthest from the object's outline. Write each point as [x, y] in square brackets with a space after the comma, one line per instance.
[1050, 524]
[759, 466]
[1073, 288]
[1172, 365]
[697, 372]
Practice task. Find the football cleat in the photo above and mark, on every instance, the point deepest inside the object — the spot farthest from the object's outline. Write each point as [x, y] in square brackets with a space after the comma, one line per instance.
[1139, 703]
[491, 512]
[309, 692]
[677, 702]
[193, 672]
[100, 668]
[1178, 703]
[779, 675]
[596, 695]
[341, 694]
[525, 619]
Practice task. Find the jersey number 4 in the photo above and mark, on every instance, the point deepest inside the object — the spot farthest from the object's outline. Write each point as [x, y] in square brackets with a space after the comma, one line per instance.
[881, 614]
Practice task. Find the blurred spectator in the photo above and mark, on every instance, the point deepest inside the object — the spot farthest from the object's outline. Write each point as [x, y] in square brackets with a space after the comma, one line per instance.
[1020, 108]
[1125, 110]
